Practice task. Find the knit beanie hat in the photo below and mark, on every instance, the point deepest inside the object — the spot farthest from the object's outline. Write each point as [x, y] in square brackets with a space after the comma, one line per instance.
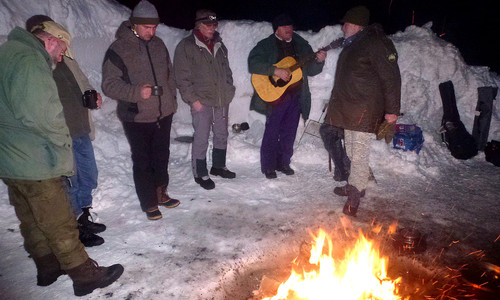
[145, 13]
[282, 20]
[205, 16]
[359, 15]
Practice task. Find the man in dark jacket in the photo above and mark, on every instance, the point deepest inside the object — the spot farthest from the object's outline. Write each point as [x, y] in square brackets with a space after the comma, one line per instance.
[367, 90]
[71, 83]
[137, 72]
[205, 82]
[35, 151]
[283, 113]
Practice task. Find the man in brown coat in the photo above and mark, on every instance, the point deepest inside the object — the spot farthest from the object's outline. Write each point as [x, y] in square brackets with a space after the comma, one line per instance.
[367, 90]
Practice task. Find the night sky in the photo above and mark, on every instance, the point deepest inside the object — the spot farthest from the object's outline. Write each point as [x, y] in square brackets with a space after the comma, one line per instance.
[471, 25]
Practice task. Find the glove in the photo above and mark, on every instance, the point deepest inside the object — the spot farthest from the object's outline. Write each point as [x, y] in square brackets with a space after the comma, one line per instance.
[386, 131]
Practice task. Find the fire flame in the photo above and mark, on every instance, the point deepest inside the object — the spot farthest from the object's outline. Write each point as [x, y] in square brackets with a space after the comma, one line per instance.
[361, 274]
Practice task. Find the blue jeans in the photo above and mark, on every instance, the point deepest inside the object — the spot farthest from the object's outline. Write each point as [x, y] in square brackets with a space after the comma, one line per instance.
[85, 178]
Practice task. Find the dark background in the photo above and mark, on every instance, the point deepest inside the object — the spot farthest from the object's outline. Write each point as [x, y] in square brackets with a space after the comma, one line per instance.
[472, 26]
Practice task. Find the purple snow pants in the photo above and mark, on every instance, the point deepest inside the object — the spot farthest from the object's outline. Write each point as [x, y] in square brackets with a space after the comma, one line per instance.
[281, 128]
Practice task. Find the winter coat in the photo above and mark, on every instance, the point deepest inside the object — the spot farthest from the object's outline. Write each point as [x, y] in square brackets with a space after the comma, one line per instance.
[201, 75]
[367, 82]
[127, 67]
[266, 53]
[84, 84]
[34, 140]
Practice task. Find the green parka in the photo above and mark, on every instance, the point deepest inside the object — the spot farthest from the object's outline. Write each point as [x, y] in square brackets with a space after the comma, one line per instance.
[265, 54]
[34, 141]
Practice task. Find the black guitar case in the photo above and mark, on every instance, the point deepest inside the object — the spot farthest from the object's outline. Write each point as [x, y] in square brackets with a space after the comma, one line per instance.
[460, 143]
[482, 120]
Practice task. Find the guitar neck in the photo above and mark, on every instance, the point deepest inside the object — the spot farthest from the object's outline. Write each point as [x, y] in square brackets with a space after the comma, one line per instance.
[333, 45]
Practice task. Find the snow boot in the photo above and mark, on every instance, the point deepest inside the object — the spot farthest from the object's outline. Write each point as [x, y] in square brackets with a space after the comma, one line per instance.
[352, 203]
[48, 269]
[271, 175]
[286, 170]
[164, 199]
[222, 172]
[88, 238]
[205, 182]
[342, 191]
[89, 276]
[87, 222]
[154, 214]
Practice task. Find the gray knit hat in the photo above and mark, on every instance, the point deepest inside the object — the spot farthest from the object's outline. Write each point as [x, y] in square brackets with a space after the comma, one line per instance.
[145, 13]
[359, 15]
[205, 16]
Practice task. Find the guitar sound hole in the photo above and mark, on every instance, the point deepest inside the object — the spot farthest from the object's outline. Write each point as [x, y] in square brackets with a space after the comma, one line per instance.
[280, 82]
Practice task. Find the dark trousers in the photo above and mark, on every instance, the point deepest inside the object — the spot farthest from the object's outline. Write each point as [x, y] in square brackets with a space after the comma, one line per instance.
[150, 147]
[281, 128]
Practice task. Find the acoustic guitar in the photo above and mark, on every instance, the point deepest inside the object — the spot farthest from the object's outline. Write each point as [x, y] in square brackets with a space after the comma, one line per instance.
[270, 88]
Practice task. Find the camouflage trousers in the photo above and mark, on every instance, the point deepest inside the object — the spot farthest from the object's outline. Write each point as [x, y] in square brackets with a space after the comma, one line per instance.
[358, 146]
[47, 223]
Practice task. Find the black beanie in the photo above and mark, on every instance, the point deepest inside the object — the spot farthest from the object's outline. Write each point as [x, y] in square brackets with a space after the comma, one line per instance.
[282, 20]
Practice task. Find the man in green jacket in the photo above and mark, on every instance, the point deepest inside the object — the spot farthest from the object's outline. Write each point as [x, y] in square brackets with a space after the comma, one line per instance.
[35, 155]
[283, 114]
[366, 91]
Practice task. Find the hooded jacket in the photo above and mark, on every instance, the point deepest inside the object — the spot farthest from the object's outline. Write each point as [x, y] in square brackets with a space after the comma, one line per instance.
[34, 141]
[127, 67]
[201, 75]
[266, 53]
[367, 82]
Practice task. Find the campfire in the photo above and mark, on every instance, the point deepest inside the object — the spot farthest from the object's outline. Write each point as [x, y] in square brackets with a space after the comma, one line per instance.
[360, 273]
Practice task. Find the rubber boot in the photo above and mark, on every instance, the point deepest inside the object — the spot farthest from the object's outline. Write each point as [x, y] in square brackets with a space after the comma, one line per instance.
[352, 203]
[48, 269]
[89, 276]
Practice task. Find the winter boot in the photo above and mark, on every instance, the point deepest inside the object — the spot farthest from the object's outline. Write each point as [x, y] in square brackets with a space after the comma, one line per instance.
[202, 175]
[154, 213]
[89, 276]
[48, 269]
[342, 191]
[222, 172]
[286, 170]
[271, 175]
[205, 182]
[87, 222]
[89, 239]
[352, 203]
[164, 199]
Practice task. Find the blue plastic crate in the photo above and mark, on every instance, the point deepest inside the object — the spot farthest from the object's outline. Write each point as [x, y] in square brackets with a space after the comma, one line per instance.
[408, 137]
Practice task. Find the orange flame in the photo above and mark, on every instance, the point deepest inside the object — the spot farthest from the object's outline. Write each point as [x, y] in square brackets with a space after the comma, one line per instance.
[361, 274]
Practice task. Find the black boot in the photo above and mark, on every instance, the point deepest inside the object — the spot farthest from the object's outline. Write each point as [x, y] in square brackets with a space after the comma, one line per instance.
[222, 172]
[89, 239]
[202, 175]
[342, 191]
[219, 164]
[352, 203]
[48, 269]
[89, 276]
[86, 221]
